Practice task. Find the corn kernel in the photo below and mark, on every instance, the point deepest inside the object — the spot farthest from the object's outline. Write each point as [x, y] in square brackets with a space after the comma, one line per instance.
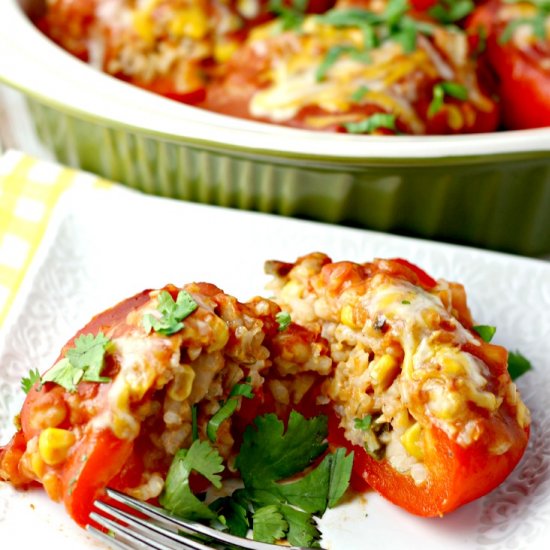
[143, 25]
[412, 441]
[346, 316]
[221, 335]
[54, 445]
[384, 370]
[485, 400]
[446, 407]
[401, 419]
[224, 50]
[452, 366]
[454, 117]
[191, 22]
[180, 388]
[37, 465]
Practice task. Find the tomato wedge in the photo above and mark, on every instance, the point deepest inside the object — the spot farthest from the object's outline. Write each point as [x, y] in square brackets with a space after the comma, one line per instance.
[456, 475]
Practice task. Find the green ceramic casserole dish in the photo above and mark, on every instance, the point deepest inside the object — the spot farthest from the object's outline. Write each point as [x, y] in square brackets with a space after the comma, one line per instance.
[487, 190]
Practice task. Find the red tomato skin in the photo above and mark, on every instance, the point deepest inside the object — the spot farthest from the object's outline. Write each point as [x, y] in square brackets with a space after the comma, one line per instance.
[456, 475]
[524, 87]
[423, 278]
[95, 460]
[523, 84]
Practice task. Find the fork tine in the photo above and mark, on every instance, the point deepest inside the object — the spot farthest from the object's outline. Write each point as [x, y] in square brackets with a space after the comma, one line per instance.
[107, 539]
[159, 514]
[143, 531]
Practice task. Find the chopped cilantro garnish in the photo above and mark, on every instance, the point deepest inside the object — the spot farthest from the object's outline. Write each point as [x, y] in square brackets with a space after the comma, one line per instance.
[83, 362]
[486, 332]
[289, 17]
[518, 364]
[177, 496]
[275, 508]
[269, 453]
[371, 123]
[537, 20]
[449, 11]
[283, 319]
[395, 10]
[363, 423]
[340, 473]
[302, 530]
[232, 514]
[88, 355]
[172, 313]
[334, 54]
[406, 302]
[27, 382]
[391, 24]
[227, 409]
[443, 89]
[269, 525]
[359, 94]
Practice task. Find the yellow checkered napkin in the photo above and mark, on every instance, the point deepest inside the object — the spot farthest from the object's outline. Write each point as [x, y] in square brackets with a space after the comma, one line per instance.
[29, 192]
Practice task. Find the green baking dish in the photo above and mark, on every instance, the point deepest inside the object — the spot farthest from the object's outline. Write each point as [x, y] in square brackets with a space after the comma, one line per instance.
[487, 190]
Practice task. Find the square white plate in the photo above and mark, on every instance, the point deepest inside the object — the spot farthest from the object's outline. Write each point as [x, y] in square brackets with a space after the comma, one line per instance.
[104, 246]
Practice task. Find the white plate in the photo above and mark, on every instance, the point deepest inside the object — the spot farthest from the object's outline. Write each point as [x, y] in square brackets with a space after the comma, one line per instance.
[99, 251]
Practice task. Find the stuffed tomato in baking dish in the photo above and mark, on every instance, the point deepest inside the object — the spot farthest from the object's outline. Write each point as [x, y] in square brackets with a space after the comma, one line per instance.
[371, 374]
[358, 70]
[352, 66]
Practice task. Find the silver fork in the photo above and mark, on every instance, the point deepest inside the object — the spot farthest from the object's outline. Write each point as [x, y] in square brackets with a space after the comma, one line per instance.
[160, 530]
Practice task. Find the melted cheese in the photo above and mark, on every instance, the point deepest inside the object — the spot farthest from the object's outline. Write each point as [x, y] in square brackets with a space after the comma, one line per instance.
[390, 75]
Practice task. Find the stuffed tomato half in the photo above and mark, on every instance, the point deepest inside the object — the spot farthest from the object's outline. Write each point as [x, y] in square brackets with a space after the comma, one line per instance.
[143, 381]
[383, 69]
[515, 40]
[426, 404]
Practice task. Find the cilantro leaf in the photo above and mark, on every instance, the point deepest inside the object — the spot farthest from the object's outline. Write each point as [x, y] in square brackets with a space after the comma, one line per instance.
[310, 493]
[363, 423]
[518, 364]
[283, 319]
[449, 11]
[64, 374]
[442, 89]
[242, 389]
[371, 123]
[269, 524]
[302, 530]
[172, 313]
[359, 94]
[177, 496]
[395, 10]
[340, 474]
[289, 17]
[324, 486]
[82, 363]
[224, 412]
[27, 382]
[232, 514]
[88, 355]
[486, 332]
[267, 453]
[227, 409]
